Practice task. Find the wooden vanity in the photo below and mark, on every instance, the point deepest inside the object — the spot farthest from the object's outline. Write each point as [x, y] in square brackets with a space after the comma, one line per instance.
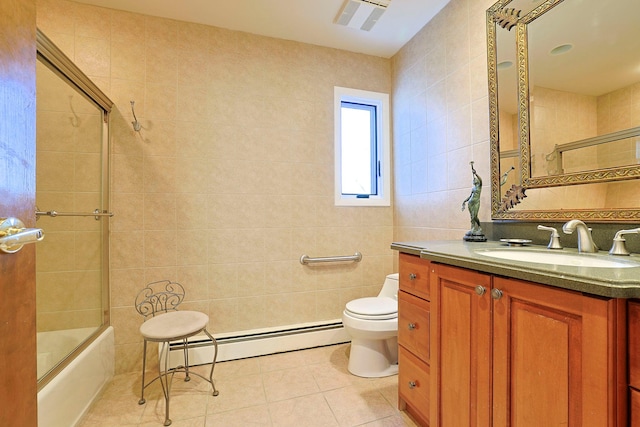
[480, 348]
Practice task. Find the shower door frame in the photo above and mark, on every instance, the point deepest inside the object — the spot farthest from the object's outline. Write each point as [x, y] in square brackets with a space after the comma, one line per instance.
[52, 57]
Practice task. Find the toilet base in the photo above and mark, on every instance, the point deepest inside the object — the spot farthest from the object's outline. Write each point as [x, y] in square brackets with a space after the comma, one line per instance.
[373, 358]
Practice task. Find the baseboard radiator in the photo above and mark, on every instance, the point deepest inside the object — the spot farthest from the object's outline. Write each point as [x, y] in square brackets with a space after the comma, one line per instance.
[259, 342]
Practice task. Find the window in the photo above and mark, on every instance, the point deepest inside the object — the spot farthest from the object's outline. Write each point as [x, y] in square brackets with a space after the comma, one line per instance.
[362, 160]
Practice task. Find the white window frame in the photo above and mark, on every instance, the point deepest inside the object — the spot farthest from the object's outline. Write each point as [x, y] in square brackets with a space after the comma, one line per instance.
[381, 101]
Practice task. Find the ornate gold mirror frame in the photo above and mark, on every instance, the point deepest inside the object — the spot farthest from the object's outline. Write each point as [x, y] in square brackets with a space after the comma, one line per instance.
[503, 203]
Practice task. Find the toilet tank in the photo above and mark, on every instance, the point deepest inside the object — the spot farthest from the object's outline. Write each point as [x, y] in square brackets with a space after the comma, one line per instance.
[390, 287]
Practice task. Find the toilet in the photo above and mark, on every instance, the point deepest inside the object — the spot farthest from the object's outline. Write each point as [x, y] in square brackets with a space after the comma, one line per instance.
[372, 324]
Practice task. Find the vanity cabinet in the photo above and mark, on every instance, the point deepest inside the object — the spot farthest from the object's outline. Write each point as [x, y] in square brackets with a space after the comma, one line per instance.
[477, 349]
[414, 376]
[513, 353]
[633, 348]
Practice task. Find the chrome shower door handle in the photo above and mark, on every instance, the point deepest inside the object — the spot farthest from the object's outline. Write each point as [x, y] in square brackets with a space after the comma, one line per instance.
[14, 235]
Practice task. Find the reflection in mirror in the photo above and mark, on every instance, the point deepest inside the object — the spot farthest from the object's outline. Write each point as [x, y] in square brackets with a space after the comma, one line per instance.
[573, 97]
[583, 78]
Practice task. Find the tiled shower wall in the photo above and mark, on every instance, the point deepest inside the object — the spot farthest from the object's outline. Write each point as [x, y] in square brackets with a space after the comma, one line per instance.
[230, 179]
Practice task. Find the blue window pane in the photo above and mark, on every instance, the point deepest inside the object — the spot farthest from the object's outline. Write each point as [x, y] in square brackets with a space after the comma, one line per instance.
[359, 152]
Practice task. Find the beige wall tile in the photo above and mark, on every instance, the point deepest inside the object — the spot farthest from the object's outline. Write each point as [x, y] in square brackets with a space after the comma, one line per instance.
[94, 22]
[56, 16]
[125, 286]
[453, 46]
[92, 55]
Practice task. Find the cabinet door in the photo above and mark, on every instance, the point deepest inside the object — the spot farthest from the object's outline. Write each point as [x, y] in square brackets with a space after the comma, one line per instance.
[552, 360]
[634, 407]
[634, 343]
[461, 357]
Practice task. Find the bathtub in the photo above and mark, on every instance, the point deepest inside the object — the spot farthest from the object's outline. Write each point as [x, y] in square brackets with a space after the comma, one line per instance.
[64, 400]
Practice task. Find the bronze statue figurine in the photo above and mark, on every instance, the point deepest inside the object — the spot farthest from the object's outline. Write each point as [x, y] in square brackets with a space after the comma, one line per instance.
[473, 203]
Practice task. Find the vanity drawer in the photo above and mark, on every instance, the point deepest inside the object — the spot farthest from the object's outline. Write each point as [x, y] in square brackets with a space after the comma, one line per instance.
[414, 275]
[413, 384]
[633, 325]
[413, 324]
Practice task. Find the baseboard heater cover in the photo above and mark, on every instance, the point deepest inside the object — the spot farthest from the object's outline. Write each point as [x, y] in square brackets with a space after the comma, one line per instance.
[259, 342]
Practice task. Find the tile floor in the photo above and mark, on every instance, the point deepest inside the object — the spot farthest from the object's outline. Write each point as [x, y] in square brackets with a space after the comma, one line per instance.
[304, 388]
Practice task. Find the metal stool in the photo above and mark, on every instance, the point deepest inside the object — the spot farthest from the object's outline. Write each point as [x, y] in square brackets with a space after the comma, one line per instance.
[158, 303]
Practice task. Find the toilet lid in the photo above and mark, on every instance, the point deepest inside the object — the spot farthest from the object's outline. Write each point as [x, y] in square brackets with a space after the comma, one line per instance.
[373, 308]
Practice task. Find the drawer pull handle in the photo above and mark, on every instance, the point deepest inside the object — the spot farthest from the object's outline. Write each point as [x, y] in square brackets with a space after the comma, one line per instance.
[413, 276]
[412, 326]
[496, 294]
[412, 384]
[480, 290]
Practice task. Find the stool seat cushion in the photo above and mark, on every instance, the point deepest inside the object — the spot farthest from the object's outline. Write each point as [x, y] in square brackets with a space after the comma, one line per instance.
[173, 325]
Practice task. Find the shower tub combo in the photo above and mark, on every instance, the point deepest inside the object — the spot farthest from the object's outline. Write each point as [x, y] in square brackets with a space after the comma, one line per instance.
[66, 398]
[75, 342]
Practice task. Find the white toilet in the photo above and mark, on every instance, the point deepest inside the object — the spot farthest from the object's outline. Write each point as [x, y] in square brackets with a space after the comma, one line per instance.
[372, 324]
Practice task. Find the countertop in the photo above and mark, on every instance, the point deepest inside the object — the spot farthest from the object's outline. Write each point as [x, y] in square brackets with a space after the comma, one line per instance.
[606, 282]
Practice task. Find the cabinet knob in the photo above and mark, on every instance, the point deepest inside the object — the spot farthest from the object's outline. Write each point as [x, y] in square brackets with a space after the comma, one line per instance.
[413, 276]
[412, 384]
[480, 290]
[412, 326]
[496, 294]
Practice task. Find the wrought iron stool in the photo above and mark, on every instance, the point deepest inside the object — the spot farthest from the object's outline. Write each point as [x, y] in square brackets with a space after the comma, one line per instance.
[158, 303]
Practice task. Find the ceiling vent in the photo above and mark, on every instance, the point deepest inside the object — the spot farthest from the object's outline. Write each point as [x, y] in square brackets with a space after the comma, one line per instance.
[361, 14]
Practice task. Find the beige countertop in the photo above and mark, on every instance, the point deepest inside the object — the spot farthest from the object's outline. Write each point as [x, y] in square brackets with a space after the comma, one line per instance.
[607, 282]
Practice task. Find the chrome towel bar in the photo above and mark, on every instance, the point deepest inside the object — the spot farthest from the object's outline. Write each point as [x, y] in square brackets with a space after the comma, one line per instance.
[96, 213]
[305, 259]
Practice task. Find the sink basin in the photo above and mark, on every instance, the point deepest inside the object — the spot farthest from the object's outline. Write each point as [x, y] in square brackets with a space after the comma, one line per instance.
[558, 258]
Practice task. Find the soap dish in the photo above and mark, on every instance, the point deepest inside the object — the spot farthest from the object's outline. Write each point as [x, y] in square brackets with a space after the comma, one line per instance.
[516, 242]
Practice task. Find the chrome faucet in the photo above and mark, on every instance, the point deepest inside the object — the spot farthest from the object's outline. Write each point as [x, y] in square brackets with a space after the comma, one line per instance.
[585, 241]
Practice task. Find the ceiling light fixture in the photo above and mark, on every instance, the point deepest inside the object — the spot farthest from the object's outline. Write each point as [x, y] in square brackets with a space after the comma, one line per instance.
[363, 14]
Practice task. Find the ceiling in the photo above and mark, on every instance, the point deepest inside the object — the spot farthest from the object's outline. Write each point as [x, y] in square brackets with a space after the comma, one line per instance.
[308, 21]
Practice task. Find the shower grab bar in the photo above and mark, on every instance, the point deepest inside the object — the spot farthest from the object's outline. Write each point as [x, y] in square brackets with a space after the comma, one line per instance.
[305, 259]
[96, 213]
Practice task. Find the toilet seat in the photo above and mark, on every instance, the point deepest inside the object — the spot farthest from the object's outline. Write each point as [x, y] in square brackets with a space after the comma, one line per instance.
[373, 308]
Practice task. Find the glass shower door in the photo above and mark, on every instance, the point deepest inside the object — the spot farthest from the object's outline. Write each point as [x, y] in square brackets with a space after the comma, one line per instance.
[72, 201]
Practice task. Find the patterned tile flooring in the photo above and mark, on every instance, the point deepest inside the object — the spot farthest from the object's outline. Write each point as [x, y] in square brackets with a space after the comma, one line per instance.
[306, 388]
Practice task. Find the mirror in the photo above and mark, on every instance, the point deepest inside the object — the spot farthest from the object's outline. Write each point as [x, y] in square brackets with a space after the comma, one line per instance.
[564, 90]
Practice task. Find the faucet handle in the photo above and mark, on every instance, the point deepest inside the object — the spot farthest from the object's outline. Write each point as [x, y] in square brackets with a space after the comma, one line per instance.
[554, 242]
[619, 247]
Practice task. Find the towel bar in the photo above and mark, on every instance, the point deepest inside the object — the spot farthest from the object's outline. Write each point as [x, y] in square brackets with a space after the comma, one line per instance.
[305, 259]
